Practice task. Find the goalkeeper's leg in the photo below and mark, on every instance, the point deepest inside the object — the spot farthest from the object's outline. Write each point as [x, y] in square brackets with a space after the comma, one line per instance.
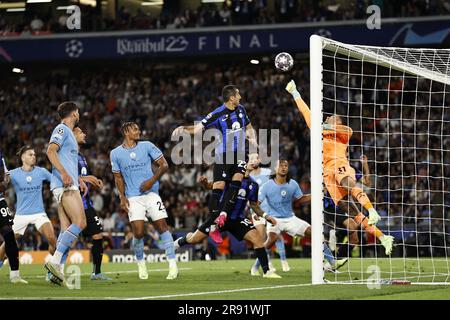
[358, 194]
[361, 219]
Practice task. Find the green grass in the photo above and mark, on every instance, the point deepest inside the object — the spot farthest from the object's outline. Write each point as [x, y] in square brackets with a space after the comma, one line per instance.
[202, 280]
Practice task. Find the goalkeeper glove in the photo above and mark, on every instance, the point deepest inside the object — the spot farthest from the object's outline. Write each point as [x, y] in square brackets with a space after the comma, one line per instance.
[292, 89]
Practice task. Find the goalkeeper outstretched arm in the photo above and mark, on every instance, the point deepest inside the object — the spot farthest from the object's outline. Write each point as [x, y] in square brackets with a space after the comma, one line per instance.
[301, 105]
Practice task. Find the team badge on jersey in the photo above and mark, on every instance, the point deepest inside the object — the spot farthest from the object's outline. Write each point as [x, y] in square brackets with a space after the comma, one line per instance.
[242, 193]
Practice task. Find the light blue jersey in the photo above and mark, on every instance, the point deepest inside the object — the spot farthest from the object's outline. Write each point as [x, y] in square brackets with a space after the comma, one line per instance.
[279, 198]
[135, 165]
[261, 178]
[28, 188]
[68, 155]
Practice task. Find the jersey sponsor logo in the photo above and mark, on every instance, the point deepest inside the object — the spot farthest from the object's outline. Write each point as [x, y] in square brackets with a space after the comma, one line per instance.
[29, 179]
[235, 126]
[242, 193]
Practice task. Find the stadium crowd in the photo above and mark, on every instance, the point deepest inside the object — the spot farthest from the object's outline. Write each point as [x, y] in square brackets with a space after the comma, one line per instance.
[160, 99]
[237, 12]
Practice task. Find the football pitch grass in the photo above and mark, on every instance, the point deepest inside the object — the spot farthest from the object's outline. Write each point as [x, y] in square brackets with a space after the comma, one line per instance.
[221, 280]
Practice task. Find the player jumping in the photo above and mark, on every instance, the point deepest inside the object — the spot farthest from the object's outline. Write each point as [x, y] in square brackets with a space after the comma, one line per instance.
[281, 192]
[231, 155]
[138, 191]
[66, 185]
[339, 176]
[27, 183]
[237, 223]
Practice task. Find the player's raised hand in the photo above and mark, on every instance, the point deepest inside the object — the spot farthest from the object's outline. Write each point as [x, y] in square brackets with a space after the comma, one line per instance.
[203, 181]
[66, 179]
[292, 89]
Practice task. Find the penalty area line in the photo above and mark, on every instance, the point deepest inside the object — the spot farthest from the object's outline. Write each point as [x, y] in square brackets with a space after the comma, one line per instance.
[220, 291]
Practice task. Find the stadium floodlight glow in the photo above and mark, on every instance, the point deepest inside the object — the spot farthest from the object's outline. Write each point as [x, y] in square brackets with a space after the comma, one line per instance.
[15, 10]
[38, 1]
[155, 3]
[254, 61]
[17, 70]
[213, 1]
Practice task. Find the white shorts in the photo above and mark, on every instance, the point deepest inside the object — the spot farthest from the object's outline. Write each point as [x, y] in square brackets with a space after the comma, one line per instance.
[293, 226]
[147, 206]
[260, 222]
[58, 192]
[22, 221]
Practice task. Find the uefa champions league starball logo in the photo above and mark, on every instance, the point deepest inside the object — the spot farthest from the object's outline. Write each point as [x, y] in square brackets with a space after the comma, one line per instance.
[29, 179]
[74, 48]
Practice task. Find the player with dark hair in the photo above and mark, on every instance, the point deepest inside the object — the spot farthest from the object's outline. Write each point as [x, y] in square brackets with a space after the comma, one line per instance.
[94, 228]
[66, 185]
[338, 175]
[27, 182]
[231, 153]
[138, 190]
[6, 223]
[237, 223]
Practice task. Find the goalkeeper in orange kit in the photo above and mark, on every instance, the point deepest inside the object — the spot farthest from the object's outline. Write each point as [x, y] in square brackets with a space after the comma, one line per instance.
[338, 175]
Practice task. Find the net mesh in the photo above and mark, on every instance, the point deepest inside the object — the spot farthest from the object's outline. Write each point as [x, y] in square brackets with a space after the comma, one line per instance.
[396, 101]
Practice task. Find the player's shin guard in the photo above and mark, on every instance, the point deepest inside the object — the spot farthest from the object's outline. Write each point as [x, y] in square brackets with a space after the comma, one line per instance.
[138, 248]
[214, 202]
[281, 249]
[67, 239]
[362, 198]
[261, 255]
[97, 255]
[12, 252]
[229, 199]
[167, 240]
[372, 230]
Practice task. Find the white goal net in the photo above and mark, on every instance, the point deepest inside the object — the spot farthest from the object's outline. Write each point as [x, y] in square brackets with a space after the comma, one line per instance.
[397, 102]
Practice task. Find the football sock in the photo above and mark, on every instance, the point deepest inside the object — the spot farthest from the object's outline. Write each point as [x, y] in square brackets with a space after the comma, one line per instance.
[281, 249]
[262, 258]
[67, 239]
[138, 248]
[97, 255]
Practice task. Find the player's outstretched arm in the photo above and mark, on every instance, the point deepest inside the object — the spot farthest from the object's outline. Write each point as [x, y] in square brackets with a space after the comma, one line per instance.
[163, 166]
[301, 105]
[367, 181]
[187, 129]
[251, 136]
[52, 154]
[306, 198]
[93, 180]
[208, 185]
[260, 212]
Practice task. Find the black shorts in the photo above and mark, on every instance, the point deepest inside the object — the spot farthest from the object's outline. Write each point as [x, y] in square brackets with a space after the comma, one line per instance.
[6, 217]
[335, 216]
[229, 166]
[238, 228]
[93, 225]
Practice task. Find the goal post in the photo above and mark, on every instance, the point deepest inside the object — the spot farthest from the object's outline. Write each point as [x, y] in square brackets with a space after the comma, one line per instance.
[397, 102]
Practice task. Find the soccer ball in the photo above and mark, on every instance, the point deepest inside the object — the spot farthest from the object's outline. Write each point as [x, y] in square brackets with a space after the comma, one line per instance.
[284, 61]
